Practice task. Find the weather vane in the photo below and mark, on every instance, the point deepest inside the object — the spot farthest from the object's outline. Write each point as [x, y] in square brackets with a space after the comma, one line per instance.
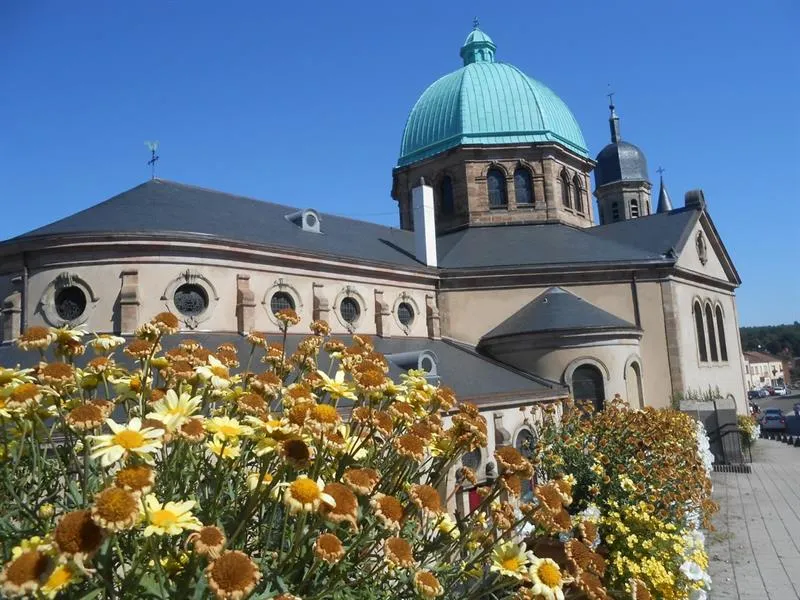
[153, 147]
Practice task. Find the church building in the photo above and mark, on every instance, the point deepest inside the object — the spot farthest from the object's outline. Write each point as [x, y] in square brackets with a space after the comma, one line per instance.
[503, 280]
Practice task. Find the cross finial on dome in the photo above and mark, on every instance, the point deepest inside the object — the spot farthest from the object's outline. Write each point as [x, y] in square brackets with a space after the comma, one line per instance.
[613, 120]
[475, 23]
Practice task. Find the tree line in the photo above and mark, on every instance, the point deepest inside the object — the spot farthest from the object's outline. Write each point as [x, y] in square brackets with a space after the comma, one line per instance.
[781, 340]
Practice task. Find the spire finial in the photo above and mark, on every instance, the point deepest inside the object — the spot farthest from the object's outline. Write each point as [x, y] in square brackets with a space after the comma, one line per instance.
[660, 170]
[475, 23]
[613, 120]
[664, 201]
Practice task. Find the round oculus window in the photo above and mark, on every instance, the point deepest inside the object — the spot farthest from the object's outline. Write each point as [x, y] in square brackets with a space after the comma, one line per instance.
[405, 313]
[350, 309]
[281, 301]
[191, 299]
[472, 460]
[70, 302]
[426, 364]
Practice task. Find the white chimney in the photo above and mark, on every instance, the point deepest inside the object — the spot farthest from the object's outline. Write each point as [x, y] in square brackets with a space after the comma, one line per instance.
[424, 223]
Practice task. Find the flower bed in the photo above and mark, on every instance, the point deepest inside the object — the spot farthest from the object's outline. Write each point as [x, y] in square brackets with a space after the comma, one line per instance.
[187, 476]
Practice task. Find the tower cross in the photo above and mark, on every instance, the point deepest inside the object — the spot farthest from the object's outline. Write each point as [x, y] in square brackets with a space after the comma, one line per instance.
[660, 170]
[611, 98]
[475, 23]
[152, 146]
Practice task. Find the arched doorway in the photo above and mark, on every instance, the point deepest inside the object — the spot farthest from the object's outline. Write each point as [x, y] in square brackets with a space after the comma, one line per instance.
[587, 385]
[633, 385]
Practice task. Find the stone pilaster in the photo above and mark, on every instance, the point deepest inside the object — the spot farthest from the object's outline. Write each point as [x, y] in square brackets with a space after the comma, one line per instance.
[432, 315]
[129, 302]
[383, 316]
[672, 330]
[245, 304]
[322, 306]
[11, 313]
[502, 437]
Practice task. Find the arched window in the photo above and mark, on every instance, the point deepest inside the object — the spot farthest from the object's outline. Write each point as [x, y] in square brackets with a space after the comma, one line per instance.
[633, 384]
[576, 184]
[615, 211]
[565, 199]
[701, 334]
[712, 338]
[523, 187]
[587, 385]
[723, 348]
[496, 181]
[446, 196]
[634, 208]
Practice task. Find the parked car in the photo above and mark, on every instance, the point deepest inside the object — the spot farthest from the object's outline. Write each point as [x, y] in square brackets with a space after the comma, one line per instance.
[762, 393]
[772, 419]
[770, 390]
[753, 395]
[779, 390]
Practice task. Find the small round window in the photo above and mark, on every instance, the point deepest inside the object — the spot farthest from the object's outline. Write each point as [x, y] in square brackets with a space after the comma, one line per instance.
[70, 302]
[311, 220]
[281, 301]
[350, 309]
[191, 299]
[405, 313]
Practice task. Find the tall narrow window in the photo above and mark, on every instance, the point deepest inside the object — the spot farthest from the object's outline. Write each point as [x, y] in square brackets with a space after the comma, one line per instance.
[565, 199]
[723, 348]
[634, 208]
[615, 211]
[712, 338]
[446, 196]
[410, 211]
[587, 385]
[523, 188]
[496, 181]
[576, 184]
[701, 334]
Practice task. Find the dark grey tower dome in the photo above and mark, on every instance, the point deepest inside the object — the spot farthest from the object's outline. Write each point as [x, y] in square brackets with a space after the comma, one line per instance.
[620, 161]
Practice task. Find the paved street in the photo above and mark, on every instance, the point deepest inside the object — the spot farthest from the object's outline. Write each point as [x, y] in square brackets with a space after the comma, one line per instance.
[755, 551]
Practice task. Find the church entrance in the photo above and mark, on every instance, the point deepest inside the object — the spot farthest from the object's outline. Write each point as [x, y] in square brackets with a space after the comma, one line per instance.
[587, 385]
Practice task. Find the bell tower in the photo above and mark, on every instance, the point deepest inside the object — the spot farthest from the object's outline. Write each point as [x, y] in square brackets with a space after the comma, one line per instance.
[622, 185]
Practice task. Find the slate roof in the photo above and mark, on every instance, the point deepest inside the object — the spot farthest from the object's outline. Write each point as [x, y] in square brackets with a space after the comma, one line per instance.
[620, 161]
[460, 367]
[655, 233]
[556, 309]
[160, 207]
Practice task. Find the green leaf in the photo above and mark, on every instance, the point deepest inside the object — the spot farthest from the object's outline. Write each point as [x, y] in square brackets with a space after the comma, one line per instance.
[91, 595]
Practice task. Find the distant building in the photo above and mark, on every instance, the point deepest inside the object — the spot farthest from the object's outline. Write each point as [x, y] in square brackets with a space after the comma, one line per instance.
[762, 369]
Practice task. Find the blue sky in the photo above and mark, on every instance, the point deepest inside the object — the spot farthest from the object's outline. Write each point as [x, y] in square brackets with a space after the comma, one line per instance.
[304, 103]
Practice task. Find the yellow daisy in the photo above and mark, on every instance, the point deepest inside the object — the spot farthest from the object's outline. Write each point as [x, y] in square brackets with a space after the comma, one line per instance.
[509, 559]
[306, 495]
[215, 372]
[173, 410]
[105, 343]
[336, 385]
[171, 518]
[224, 448]
[547, 579]
[126, 440]
[226, 428]
[60, 578]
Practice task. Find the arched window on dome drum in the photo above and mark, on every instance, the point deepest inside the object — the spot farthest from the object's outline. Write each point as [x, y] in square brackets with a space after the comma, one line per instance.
[446, 196]
[723, 348]
[712, 337]
[523, 186]
[634, 208]
[565, 199]
[700, 330]
[496, 181]
[576, 183]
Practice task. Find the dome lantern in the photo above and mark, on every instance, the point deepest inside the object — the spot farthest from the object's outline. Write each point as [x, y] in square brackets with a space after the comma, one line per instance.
[478, 47]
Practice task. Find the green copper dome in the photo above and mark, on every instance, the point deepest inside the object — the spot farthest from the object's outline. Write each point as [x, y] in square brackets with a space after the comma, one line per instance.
[486, 102]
